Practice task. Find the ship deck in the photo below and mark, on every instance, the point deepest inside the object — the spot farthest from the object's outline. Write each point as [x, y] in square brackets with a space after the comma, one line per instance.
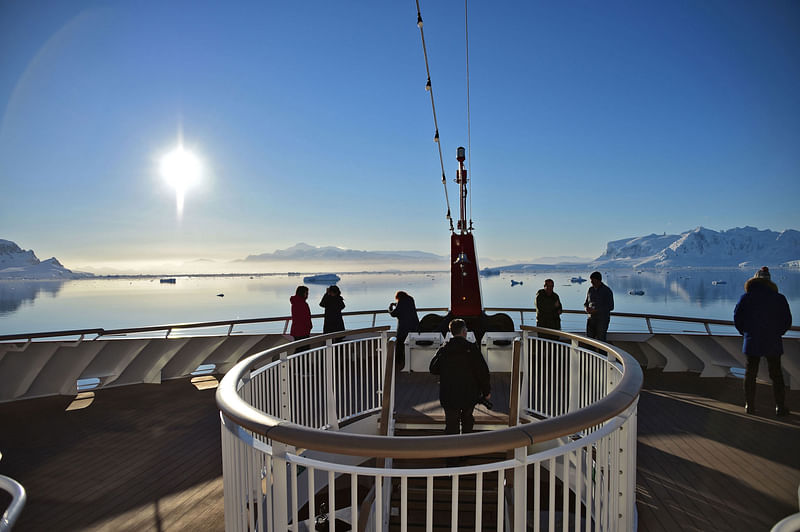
[147, 457]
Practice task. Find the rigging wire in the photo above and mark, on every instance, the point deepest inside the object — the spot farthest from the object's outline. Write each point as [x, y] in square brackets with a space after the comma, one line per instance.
[469, 130]
[429, 88]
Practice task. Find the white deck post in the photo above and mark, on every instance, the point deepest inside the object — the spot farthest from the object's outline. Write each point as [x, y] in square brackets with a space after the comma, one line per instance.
[280, 492]
[574, 377]
[520, 489]
[330, 387]
[283, 387]
[525, 367]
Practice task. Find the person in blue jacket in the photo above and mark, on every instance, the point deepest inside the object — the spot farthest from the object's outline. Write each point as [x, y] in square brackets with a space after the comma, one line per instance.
[762, 316]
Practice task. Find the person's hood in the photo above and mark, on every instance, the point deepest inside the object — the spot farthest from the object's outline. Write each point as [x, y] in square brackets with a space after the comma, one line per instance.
[759, 282]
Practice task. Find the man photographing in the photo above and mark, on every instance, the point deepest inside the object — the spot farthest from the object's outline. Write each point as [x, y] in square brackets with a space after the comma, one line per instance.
[463, 379]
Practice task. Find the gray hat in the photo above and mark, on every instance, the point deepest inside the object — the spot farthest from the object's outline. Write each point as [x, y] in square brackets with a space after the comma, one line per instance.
[763, 273]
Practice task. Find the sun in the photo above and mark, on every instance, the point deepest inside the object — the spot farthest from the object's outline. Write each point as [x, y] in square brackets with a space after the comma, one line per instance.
[181, 169]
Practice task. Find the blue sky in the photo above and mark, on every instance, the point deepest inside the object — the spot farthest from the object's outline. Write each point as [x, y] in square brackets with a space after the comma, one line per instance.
[590, 122]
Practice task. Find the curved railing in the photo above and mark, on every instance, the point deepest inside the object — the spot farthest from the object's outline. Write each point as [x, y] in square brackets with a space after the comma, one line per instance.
[17, 493]
[790, 523]
[579, 398]
[648, 322]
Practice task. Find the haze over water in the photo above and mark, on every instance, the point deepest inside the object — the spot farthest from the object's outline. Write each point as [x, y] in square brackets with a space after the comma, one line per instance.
[38, 306]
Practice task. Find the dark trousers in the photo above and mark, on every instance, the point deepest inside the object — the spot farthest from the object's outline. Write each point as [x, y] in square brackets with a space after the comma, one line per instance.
[597, 326]
[455, 418]
[775, 374]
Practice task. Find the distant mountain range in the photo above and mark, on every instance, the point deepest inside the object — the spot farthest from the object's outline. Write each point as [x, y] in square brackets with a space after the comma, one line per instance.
[17, 263]
[741, 246]
[700, 247]
[303, 251]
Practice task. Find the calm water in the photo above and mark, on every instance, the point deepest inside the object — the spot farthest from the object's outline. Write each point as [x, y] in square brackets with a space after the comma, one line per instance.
[37, 306]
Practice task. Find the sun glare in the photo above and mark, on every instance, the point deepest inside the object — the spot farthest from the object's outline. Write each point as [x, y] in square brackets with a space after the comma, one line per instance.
[181, 169]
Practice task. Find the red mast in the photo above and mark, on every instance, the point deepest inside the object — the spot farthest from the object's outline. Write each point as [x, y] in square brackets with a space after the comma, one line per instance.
[465, 287]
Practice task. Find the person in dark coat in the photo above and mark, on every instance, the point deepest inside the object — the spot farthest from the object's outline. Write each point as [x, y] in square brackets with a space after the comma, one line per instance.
[301, 314]
[333, 302]
[463, 379]
[599, 304]
[404, 309]
[548, 307]
[762, 316]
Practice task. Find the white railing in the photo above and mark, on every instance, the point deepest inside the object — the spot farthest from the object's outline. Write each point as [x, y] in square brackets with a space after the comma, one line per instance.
[790, 523]
[17, 493]
[578, 462]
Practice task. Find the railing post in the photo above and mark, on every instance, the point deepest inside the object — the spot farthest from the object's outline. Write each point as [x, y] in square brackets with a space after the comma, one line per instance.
[612, 378]
[525, 363]
[627, 470]
[520, 489]
[574, 377]
[280, 492]
[283, 387]
[330, 387]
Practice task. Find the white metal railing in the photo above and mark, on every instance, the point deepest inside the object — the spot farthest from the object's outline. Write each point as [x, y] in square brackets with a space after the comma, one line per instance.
[790, 523]
[580, 460]
[18, 497]
[623, 322]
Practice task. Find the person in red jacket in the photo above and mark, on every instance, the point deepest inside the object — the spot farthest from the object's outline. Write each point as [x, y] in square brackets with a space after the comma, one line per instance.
[301, 314]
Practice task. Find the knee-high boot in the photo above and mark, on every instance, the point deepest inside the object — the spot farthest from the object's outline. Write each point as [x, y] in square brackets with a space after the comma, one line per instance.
[750, 384]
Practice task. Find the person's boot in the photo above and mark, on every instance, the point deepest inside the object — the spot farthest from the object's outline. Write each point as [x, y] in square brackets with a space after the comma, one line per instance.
[750, 397]
[780, 397]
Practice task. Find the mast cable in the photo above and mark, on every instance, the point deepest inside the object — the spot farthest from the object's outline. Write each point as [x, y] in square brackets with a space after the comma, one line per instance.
[469, 129]
[429, 88]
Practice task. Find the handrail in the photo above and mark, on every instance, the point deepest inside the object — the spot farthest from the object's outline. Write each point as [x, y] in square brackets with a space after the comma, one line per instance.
[247, 416]
[99, 331]
[790, 523]
[18, 498]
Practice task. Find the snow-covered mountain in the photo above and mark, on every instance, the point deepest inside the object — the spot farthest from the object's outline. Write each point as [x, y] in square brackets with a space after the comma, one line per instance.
[18, 263]
[303, 251]
[741, 246]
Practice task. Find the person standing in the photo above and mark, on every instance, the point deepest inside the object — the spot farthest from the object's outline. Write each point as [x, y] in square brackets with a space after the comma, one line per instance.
[599, 304]
[333, 303]
[548, 307]
[762, 316]
[405, 310]
[301, 314]
[463, 379]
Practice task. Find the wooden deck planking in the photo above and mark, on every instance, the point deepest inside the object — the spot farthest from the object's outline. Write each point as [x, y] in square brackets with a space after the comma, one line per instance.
[699, 455]
[147, 457]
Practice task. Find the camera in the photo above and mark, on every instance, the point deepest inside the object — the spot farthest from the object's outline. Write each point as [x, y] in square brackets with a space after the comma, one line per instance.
[482, 400]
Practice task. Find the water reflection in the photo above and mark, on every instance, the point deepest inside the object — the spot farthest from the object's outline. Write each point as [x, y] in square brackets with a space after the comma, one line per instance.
[699, 287]
[131, 302]
[14, 294]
